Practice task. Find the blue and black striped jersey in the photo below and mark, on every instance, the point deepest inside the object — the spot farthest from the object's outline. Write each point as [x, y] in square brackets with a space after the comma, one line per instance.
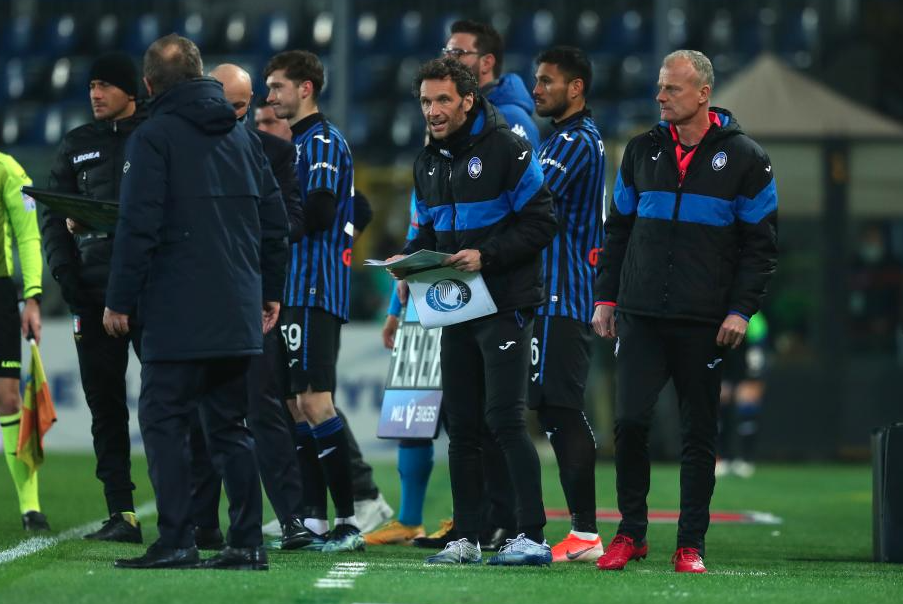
[319, 265]
[573, 165]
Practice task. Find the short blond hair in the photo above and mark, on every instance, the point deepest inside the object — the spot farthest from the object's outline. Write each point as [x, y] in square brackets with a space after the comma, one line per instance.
[700, 63]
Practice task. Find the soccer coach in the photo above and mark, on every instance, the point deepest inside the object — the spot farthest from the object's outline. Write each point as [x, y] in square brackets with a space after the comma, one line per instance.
[480, 197]
[690, 245]
[200, 254]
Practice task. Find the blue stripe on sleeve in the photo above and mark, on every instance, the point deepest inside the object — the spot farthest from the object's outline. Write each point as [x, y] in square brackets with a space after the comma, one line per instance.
[478, 214]
[752, 211]
[703, 209]
[625, 197]
[530, 182]
[655, 204]
[441, 217]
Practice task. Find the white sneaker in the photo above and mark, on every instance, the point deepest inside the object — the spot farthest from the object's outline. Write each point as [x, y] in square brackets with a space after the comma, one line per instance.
[272, 528]
[372, 513]
[743, 469]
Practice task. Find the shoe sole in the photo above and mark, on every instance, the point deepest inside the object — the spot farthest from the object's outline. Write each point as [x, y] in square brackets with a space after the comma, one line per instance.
[528, 560]
[395, 541]
[236, 567]
[343, 550]
[138, 540]
[590, 556]
[298, 544]
[451, 562]
[634, 559]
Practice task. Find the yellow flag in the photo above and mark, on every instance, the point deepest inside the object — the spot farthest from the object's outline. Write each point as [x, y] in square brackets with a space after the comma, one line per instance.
[38, 413]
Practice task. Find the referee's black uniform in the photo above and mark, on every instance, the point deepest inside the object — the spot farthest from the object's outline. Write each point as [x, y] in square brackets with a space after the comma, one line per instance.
[89, 162]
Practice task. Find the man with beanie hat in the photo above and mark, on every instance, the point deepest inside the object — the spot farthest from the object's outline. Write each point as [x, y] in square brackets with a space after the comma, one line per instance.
[89, 162]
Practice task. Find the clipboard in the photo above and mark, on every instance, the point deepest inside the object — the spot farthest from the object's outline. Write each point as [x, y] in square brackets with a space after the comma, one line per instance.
[445, 296]
[94, 214]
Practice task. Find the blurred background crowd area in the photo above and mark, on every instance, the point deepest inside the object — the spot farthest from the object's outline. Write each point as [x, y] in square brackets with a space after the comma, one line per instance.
[817, 83]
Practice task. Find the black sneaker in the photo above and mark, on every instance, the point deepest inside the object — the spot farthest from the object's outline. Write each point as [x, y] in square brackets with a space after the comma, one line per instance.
[35, 521]
[296, 536]
[118, 529]
[209, 538]
[344, 538]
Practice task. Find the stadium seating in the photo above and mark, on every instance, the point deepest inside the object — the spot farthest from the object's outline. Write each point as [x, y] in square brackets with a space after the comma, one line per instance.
[44, 59]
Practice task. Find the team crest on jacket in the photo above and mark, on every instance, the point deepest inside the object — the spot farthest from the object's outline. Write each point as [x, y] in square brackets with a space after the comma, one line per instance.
[475, 167]
[719, 161]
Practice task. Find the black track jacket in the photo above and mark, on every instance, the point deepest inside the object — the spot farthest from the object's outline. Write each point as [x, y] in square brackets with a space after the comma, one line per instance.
[88, 162]
[484, 190]
[700, 250]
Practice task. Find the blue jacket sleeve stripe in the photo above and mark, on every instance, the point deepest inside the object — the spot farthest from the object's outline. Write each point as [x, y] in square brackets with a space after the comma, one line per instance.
[529, 184]
[703, 209]
[655, 204]
[479, 214]
[625, 197]
[753, 210]
[442, 218]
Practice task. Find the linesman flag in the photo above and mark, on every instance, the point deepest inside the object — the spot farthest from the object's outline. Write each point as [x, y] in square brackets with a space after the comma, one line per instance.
[38, 413]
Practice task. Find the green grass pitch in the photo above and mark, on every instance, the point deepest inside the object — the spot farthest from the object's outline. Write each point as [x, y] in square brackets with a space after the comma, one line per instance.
[821, 552]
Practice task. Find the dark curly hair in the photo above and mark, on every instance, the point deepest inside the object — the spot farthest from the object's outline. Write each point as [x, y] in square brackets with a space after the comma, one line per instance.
[447, 67]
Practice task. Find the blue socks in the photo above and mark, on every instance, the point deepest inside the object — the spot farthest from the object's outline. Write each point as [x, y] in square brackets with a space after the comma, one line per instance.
[415, 463]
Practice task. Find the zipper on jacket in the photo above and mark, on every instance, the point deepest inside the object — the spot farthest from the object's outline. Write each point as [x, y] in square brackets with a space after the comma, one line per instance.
[452, 198]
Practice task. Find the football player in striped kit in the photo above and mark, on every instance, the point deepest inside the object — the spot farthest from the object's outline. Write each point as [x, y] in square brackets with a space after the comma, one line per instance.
[316, 295]
[573, 165]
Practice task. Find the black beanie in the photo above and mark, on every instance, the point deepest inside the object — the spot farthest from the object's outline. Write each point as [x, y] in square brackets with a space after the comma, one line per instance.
[116, 68]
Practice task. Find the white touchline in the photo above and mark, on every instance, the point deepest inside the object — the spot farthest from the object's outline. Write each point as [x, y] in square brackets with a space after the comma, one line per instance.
[36, 544]
[342, 575]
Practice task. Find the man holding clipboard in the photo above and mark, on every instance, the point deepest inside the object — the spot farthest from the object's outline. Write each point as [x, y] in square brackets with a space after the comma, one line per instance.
[481, 198]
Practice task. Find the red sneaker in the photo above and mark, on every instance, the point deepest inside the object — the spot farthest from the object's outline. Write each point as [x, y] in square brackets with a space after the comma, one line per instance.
[619, 552]
[688, 560]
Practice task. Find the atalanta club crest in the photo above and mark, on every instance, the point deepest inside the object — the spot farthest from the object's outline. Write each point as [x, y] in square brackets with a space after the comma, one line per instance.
[475, 167]
[448, 295]
[719, 161]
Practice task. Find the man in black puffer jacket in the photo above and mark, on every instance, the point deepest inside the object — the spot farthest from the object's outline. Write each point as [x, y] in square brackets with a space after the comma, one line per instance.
[200, 256]
[89, 162]
[480, 197]
[689, 247]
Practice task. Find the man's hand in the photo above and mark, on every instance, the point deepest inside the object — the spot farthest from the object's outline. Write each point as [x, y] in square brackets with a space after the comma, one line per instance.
[395, 275]
[401, 288]
[115, 323]
[31, 319]
[390, 327]
[604, 321]
[732, 331]
[270, 315]
[76, 228]
[465, 260]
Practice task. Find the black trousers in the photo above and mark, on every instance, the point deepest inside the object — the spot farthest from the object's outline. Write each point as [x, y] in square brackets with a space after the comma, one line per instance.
[272, 428]
[219, 391]
[102, 363]
[649, 352]
[485, 367]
